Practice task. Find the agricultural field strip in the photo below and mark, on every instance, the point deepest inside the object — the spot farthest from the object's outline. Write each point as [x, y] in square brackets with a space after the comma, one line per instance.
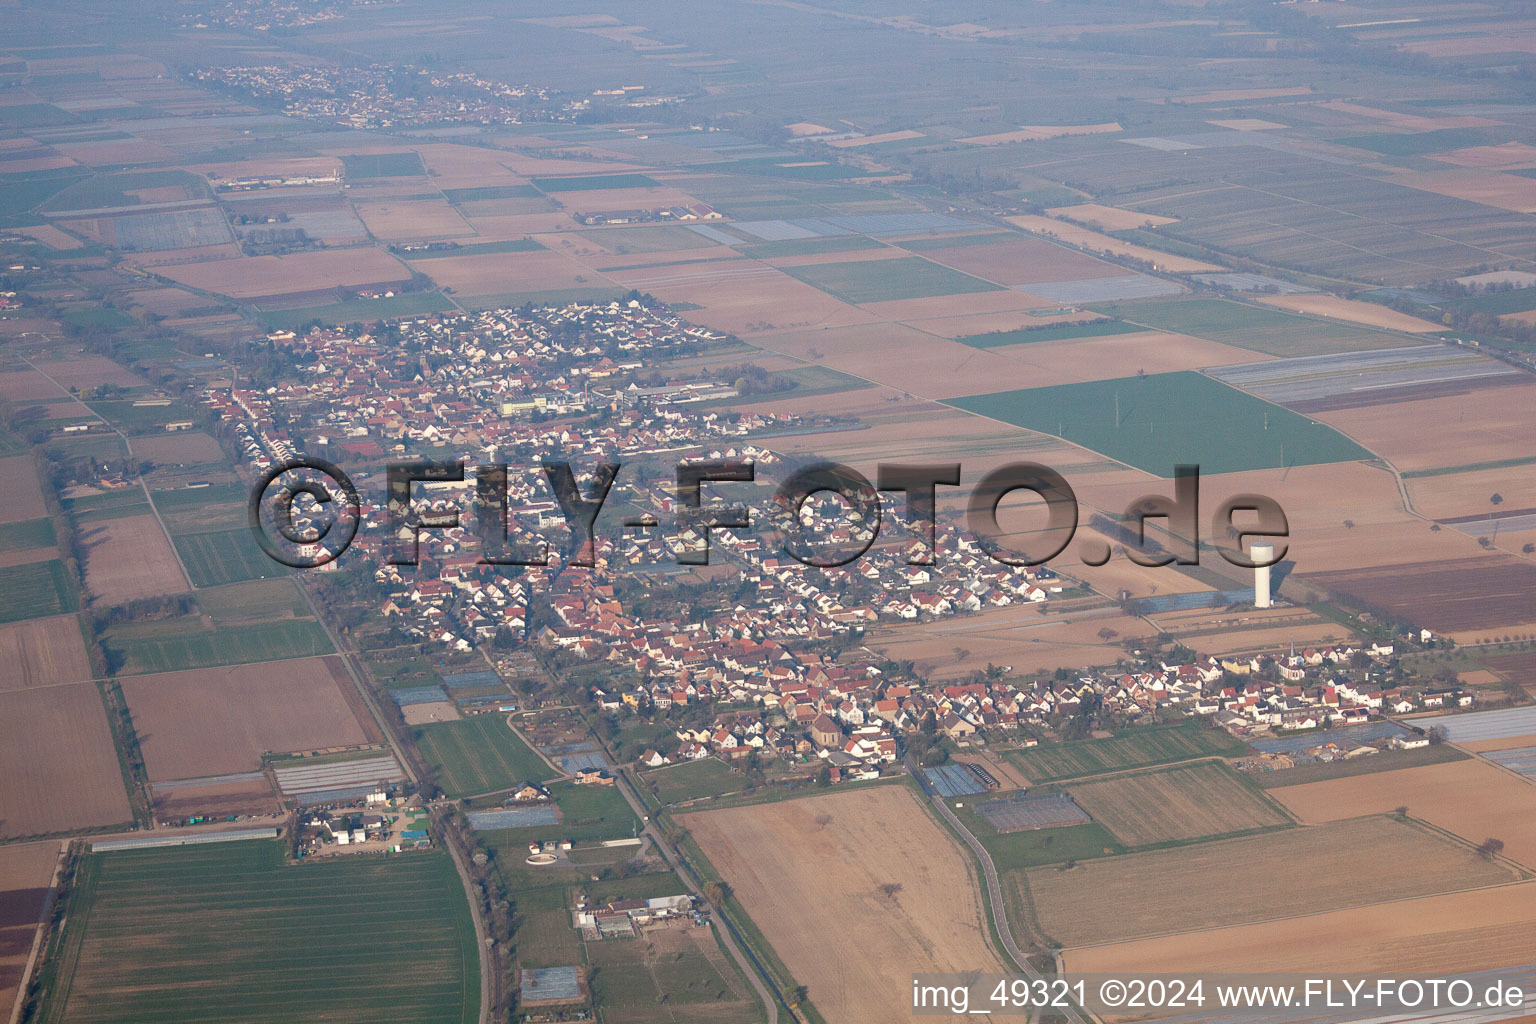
[207, 780]
[1184, 802]
[1483, 725]
[1306, 378]
[304, 949]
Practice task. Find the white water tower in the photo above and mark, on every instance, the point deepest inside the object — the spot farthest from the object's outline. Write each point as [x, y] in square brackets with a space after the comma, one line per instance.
[1263, 554]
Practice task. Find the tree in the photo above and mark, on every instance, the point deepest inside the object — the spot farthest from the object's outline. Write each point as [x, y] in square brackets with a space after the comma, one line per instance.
[716, 893]
[824, 776]
[1401, 812]
[1490, 848]
[823, 820]
[961, 654]
[890, 889]
[1437, 734]
[1496, 499]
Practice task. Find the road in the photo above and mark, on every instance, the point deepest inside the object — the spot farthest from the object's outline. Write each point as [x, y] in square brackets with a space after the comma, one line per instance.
[128, 448]
[348, 658]
[723, 930]
[994, 889]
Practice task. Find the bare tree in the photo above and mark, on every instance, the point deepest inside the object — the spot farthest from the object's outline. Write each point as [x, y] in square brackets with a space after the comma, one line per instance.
[1490, 848]
[890, 889]
[823, 820]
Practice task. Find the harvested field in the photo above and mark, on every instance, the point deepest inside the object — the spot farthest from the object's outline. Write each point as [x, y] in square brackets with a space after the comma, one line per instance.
[186, 448]
[1434, 935]
[26, 874]
[1178, 804]
[510, 273]
[1473, 798]
[43, 652]
[90, 371]
[1342, 516]
[815, 891]
[1136, 748]
[1482, 425]
[260, 276]
[1490, 188]
[1144, 894]
[216, 800]
[1109, 218]
[129, 558]
[864, 281]
[1014, 259]
[1016, 636]
[431, 711]
[1367, 313]
[1070, 361]
[1461, 597]
[24, 498]
[139, 946]
[874, 140]
[1034, 133]
[397, 220]
[748, 301]
[1093, 241]
[218, 721]
[27, 385]
[57, 756]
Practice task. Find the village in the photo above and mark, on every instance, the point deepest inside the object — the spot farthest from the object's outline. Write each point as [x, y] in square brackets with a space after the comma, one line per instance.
[517, 384]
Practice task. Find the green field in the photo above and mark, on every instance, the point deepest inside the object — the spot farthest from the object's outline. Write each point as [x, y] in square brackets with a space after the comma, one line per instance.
[30, 533]
[197, 497]
[1135, 748]
[595, 182]
[1014, 851]
[383, 165]
[36, 589]
[588, 814]
[171, 645]
[470, 195]
[141, 418]
[255, 600]
[1516, 300]
[229, 933]
[1164, 419]
[475, 249]
[910, 277]
[1252, 327]
[360, 311]
[709, 777]
[225, 556]
[478, 755]
[1056, 332]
